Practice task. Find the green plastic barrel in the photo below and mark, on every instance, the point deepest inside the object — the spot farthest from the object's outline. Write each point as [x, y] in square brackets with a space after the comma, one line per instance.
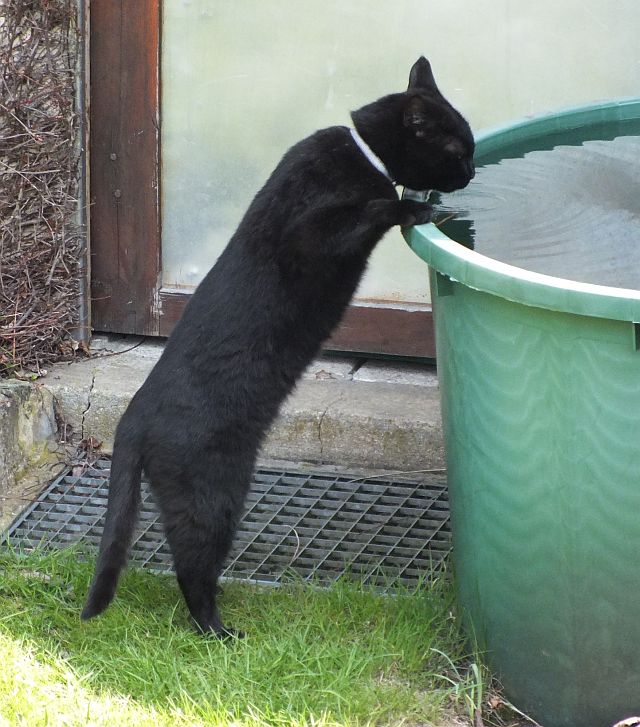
[540, 387]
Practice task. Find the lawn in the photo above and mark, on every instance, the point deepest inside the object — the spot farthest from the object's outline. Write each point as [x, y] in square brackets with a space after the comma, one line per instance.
[344, 655]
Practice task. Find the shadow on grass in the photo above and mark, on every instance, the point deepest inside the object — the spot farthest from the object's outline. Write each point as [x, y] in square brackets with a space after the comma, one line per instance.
[340, 655]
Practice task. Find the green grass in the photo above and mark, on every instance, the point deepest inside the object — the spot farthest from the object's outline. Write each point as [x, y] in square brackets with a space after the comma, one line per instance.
[338, 656]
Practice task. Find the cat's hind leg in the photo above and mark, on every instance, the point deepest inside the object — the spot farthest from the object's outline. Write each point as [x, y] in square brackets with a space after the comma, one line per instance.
[200, 498]
[200, 542]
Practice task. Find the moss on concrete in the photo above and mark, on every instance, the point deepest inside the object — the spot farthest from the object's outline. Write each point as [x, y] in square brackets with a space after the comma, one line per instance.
[28, 445]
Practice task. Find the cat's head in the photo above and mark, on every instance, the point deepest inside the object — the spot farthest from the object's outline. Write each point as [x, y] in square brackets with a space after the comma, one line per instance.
[422, 139]
[438, 144]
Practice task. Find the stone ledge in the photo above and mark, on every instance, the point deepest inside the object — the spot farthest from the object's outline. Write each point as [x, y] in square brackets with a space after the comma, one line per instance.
[390, 422]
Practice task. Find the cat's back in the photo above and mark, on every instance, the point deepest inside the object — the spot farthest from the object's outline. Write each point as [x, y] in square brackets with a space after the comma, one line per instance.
[260, 279]
[327, 162]
[256, 318]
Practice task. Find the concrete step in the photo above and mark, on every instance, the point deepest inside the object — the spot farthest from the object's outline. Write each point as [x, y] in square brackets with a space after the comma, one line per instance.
[343, 412]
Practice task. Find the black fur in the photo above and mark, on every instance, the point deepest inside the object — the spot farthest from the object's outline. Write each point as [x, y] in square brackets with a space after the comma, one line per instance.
[257, 320]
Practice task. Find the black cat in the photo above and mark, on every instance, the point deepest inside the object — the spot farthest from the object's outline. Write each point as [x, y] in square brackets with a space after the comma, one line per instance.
[258, 319]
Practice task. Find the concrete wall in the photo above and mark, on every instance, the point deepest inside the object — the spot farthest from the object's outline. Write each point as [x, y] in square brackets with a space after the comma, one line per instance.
[28, 440]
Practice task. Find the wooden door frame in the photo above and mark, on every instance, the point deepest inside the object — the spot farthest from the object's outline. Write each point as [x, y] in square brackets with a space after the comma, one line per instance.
[127, 292]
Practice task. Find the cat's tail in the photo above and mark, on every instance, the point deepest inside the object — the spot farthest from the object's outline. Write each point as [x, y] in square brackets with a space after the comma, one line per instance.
[122, 512]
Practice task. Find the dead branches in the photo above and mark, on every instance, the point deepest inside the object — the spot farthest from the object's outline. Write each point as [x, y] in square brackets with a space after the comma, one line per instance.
[40, 239]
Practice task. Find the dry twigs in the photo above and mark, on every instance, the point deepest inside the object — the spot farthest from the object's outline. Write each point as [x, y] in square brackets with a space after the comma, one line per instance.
[40, 239]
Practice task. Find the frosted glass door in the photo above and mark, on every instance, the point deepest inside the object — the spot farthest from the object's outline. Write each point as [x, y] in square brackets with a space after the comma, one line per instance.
[243, 80]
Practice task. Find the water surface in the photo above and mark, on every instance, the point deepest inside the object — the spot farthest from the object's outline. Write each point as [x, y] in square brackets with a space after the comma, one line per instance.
[572, 212]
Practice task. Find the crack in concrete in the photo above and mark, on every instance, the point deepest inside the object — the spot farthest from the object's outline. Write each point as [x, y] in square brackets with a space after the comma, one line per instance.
[321, 420]
[357, 365]
[84, 413]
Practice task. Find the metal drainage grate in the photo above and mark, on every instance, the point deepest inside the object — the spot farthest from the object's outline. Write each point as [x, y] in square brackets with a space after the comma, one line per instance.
[312, 524]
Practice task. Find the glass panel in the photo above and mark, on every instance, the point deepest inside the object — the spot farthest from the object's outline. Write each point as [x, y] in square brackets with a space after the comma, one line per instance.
[243, 80]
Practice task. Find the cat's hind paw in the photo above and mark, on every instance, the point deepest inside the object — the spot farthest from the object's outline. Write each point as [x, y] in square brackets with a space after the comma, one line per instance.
[226, 633]
[223, 633]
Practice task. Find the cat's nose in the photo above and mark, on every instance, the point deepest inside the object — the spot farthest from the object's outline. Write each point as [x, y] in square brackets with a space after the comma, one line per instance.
[472, 169]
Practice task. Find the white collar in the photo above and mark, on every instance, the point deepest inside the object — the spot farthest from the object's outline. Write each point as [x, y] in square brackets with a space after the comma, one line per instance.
[371, 156]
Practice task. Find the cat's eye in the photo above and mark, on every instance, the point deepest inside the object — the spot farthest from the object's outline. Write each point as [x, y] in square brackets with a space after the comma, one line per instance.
[455, 149]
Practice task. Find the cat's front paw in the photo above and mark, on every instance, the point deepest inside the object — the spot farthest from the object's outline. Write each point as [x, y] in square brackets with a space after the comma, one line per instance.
[413, 213]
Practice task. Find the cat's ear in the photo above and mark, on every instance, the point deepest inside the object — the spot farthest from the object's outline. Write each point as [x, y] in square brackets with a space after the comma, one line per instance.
[421, 75]
[416, 117]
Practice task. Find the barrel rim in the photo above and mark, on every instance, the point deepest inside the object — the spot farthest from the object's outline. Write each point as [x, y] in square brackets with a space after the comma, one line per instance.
[517, 284]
